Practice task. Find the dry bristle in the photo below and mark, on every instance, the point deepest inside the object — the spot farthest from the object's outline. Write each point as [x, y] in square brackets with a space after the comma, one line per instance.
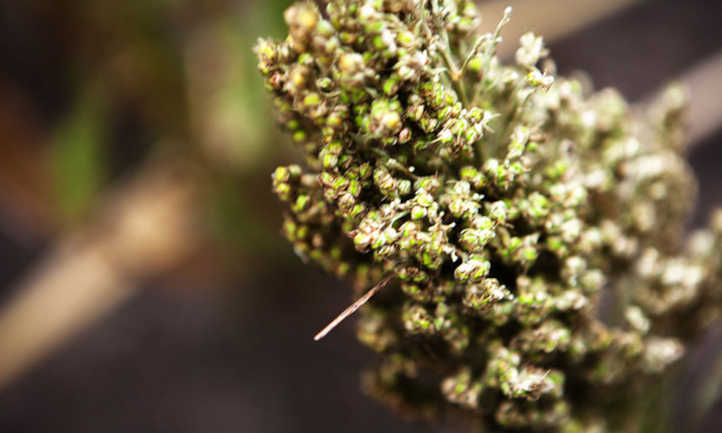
[352, 308]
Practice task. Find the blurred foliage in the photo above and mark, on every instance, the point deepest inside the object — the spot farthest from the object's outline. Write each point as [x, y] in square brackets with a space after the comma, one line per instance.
[239, 109]
[187, 72]
[79, 165]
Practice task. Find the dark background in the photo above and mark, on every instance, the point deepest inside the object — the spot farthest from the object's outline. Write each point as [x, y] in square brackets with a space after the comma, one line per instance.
[234, 353]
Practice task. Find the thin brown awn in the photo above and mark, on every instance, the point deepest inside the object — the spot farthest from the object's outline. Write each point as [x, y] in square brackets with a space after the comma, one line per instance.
[352, 308]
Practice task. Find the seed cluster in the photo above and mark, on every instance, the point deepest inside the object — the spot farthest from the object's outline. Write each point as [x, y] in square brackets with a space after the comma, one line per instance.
[534, 228]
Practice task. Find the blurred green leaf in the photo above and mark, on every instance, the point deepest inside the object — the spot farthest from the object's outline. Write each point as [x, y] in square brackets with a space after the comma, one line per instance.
[79, 167]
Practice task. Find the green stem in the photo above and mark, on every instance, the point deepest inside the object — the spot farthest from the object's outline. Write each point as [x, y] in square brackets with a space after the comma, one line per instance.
[472, 52]
[491, 48]
[453, 71]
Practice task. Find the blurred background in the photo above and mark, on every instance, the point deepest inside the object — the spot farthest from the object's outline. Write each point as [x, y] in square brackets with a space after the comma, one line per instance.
[144, 284]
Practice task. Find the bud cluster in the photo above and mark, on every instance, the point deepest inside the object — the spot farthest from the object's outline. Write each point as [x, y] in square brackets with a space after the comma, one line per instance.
[504, 202]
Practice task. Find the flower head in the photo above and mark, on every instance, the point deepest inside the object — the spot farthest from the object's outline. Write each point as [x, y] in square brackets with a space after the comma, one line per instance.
[501, 199]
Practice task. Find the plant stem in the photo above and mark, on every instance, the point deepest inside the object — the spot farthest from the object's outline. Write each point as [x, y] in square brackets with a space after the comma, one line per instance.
[453, 71]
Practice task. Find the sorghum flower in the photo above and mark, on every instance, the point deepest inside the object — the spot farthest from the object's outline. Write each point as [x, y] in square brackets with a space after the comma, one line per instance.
[506, 203]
